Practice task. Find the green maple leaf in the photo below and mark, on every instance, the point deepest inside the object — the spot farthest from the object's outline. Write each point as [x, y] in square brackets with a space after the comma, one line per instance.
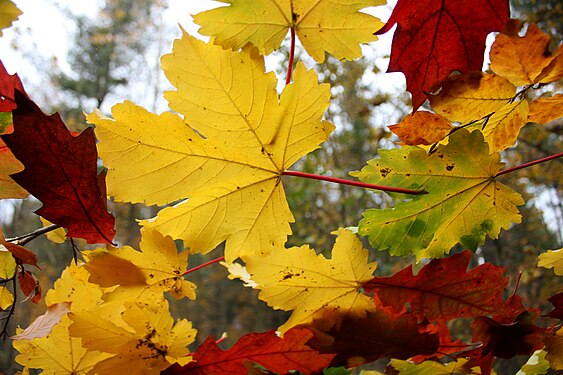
[465, 202]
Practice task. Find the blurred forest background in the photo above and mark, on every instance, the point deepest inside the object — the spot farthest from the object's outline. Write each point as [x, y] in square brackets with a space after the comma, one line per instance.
[115, 52]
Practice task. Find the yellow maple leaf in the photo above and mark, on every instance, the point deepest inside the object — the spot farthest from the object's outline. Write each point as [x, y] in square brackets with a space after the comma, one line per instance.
[230, 158]
[7, 262]
[552, 259]
[314, 287]
[554, 349]
[336, 27]
[9, 165]
[422, 128]
[158, 267]
[486, 101]
[523, 60]
[58, 353]
[544, 110]
[148, 342]
[9, 12]
[58, 235]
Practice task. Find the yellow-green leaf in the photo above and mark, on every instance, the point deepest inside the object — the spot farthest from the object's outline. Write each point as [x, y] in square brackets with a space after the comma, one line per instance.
[464, 203]
[57, 353]
[9, 12]
[7, 263]
[230, 166]
[430, 367]
[544, 110]
[336, 27]
[526, 60]
[536, 364]
[552, 259]
[312, 286]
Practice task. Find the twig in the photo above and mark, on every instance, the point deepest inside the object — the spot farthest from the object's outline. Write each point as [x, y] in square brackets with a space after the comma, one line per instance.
[528, 164]
[22, 240]
[203, 265]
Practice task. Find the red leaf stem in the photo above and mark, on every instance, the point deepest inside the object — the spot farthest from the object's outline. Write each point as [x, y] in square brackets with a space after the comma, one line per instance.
[291, 57]
[528, 164]
[354, 183]
[204, 265]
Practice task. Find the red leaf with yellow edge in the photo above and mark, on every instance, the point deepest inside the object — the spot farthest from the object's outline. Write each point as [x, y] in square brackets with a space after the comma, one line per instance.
[437, 37]
[60, 171]
[266, 349]
[443, 290]
[378, 335]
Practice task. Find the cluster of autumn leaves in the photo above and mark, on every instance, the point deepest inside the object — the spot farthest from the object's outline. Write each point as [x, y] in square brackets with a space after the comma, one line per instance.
[220, 158]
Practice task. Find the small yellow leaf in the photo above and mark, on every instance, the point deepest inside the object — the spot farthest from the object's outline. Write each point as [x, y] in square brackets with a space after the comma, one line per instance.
[6, 298]
[57, 236]
[429, 367]
[7, 262]
[312, 286]
[57, 353]
[336, 27]
[238, 271]
[524, 60]
[43, 324]
[544, 110]
[9, 165]
[552, 259]
[157, 268]
[422, 128]
[472, 96]
[9, 12]
[147, 344]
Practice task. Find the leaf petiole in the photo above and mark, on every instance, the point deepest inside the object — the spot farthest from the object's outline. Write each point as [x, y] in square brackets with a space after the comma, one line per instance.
[291, 57]
[530, 163]
[220, 259]
[354, 183]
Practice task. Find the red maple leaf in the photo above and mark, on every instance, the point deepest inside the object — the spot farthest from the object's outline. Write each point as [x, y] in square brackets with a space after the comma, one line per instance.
[60, 171]
[279, 355]
[443, 290]
[8, 85]
[446, 347]
[437, 37]
[557, 302]
[379, 335]
[29, 285]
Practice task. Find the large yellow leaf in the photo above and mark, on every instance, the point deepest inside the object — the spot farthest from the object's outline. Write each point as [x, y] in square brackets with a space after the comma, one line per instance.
[312, 286]
[8, 14]
[464, 203]
[334, 26]
[58, 353]
[526, 60]
[486, 101]
[147, 344]
[552, 259]
[544, 110]
[157, 268]
[230, 158]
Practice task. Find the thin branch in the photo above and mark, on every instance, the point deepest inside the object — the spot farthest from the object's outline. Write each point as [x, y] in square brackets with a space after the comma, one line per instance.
[203, 265]
[22, 240]
[528, 164]
[354, 183]
[291, 57]
[4, 333]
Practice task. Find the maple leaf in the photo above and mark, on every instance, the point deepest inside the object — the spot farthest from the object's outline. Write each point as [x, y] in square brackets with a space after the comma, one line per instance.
[312, 286]
[544, 110]
[422, 128]
[554, 348]
[552, 259]
[57, 353]
[8, 86]
[336, 27]
[148, 342]
[536, 364]
[526, 60]
[557, 302]
[430, 367]
[486, 102]
[378, 335]
[280, 355]
[9, 12]
[506, 340]
[465, 202]
[157, 267]
[60, 171]
[443, 290]
[437, 37]
[29, 285]
[231, 174]
[20, 253]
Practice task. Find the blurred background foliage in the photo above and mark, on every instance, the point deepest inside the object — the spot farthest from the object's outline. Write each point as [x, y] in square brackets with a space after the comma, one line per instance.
[118, 49]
